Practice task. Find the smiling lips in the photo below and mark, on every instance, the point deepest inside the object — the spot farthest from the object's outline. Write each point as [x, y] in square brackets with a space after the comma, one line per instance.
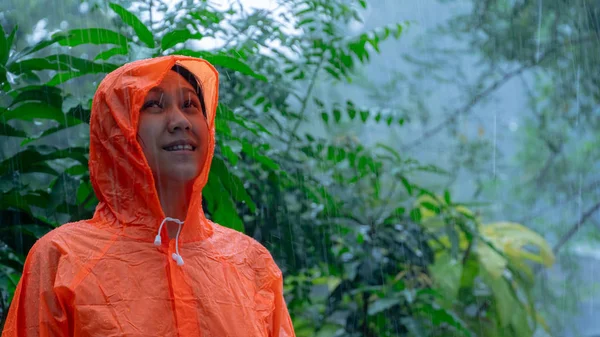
[180, 145]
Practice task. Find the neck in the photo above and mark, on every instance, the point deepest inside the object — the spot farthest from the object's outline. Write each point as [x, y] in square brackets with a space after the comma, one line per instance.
[174, 198]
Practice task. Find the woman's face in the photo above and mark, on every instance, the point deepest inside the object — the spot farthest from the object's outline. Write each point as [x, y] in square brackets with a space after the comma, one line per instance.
[173, 131]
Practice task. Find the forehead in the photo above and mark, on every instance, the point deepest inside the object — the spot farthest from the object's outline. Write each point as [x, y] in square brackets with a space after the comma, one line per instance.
[173, 81]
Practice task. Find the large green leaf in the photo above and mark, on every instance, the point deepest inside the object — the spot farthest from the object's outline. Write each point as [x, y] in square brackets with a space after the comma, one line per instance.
[29, 111]
[61, 63]
[138, 26]
[225, 61]
[36, 231]
[32, 138]
[221, 207]
[32, 160]
[382, 304]
[174, 37]
[39, 93]
[105, 55]
[439, 317]
[507, 306]
[232, 183]
[9, 131]
[41, 45]
[78, 37]
[446, 272]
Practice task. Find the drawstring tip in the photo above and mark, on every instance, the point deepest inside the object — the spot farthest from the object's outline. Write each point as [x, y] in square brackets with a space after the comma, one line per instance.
[157, 240]
[178, 259]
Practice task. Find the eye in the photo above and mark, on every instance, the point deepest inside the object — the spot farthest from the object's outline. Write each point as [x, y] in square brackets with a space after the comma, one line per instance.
[190, 104]
[152, 104]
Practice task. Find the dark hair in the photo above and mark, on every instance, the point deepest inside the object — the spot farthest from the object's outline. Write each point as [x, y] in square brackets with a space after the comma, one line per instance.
[188, 76]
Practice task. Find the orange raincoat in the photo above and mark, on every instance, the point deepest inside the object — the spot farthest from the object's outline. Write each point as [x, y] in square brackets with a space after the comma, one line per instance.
[106, 277]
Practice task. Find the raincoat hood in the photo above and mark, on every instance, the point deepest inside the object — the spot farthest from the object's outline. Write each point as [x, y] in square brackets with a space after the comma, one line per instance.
[120, 174]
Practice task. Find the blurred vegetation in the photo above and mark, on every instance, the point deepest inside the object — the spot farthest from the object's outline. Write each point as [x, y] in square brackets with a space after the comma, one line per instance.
[369, 246]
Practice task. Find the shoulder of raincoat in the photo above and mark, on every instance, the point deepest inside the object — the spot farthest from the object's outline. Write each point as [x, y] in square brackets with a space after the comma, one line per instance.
[119, 274]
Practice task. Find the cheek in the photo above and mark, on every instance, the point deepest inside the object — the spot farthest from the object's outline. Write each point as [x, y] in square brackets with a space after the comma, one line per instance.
[147, 135]
[201, 128]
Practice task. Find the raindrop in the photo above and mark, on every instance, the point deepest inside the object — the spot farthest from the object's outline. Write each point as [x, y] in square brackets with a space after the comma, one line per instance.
[84, 7]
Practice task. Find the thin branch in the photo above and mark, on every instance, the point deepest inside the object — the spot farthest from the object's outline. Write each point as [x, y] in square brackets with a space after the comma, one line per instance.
[305, 99]
[150, 13]
[534, 214]
[575, 227]
[467, 107]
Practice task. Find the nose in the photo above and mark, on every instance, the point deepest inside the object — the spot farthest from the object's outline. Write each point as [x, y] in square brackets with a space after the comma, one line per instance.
[178, 120]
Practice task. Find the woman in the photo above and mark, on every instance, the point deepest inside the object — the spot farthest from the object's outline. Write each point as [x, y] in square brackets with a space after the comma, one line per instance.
[149, 263]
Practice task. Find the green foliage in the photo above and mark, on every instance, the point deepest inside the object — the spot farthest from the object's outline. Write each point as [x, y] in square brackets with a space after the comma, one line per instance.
[366, 250]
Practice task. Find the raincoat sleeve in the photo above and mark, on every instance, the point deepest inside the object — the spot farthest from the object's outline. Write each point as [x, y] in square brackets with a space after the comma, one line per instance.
[281, 323]
[39, 307]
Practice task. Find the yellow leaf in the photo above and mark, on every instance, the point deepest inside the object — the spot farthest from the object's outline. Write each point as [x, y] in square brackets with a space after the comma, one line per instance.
[513, 239]
[489, 259]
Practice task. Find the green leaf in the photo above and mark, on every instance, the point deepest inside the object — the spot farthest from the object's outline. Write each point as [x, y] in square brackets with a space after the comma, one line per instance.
[447, 272]
[325, 117]
[447, 197]
[259, 100]
[32, 160]
[97, 36]
[505, 303]
[225, 61]
[251, 150]
[37, 64]
[64, 77]
[228, 152]
[41, 45]
[29, 111]
[107, 54]
[382, 304]
[225, 112]
[39, 93]
[220, 206]
[232, 183]
[11, 37]
[364, 115]
[36, 231]
[331, 71]
[83, 192]
[61, 63]
[406, 184]
[432, 207]
[138, 26]
[337, 115]
[439, 317]
[174, 37]
[4, 47]
[415, 215]
[9, 131]
[48, 132]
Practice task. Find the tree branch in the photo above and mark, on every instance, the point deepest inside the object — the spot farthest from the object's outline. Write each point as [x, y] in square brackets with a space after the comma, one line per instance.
[313, 80]
[467, 107]
[575, 227]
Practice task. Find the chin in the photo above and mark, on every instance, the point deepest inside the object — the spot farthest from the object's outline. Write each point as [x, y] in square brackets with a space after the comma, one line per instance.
[181, 175]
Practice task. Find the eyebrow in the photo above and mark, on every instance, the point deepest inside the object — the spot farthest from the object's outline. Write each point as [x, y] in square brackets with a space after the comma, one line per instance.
[159, 90]
[191, 91]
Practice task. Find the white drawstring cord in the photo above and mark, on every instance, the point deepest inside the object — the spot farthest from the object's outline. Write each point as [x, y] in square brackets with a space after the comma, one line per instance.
[158, 241]
[176, 255]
